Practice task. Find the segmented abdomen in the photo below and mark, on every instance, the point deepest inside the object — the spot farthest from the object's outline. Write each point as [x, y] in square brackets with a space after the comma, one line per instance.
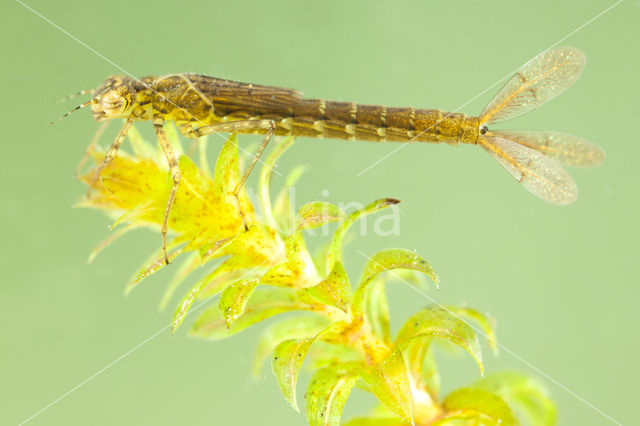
[348, 120]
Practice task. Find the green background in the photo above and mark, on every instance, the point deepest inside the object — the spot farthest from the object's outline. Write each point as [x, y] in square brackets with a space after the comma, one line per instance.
[561, 281]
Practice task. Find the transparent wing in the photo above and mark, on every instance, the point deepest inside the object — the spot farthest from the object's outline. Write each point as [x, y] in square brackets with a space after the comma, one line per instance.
[565, 149]
[538, 81]
[540, 175]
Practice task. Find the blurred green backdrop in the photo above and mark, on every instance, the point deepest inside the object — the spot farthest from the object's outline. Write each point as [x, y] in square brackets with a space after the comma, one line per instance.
[561, 281]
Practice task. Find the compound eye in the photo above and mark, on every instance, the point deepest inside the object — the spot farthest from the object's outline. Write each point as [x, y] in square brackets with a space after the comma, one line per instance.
[114, 103]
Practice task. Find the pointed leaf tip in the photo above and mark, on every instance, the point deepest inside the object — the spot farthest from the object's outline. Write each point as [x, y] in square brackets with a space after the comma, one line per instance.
[392, 201]
[294, 327]
[286, 362]
[387, 260]
[526, 395]
[234, 298]
[439, 322]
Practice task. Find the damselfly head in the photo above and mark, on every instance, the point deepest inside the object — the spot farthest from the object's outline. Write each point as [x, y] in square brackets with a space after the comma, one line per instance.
[113, 98]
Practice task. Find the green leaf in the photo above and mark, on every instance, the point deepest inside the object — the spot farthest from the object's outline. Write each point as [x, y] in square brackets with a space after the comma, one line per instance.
[295, 174]
[430, 374]
[294, 327]
[486, 323]
[335, 250]
[327, 394]
[109, 240]
[202, 143]
[318, 213]
[234, 298]
[438, 322]
[422, 364]
[524, 394]
[389, 382]
[377, 310]
[324, 354]
[386, 260]
[185, 304]
[297, 270]
[211, 287]
[132, 215]
[287, 360]
[283, 208]
[286, 363]
[265, 303]
[191, 175]
[184, 270]
[265, 179]
[226, 174]
[228, 272]
[479, 406]
[320, 259]
[335, 290]
[153, 264]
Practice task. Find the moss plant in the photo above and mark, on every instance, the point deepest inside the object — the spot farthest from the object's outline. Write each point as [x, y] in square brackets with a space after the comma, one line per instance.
[338, 324]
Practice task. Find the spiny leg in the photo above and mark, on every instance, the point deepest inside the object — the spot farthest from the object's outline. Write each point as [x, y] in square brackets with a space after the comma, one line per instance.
[113, 150]
[158, 123]
[91, 147]
[233, 127]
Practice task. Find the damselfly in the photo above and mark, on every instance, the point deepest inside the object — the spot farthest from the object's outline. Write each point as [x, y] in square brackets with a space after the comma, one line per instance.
[201, 105]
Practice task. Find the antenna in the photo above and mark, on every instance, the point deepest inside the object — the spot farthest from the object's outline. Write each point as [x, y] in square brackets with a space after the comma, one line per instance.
[75, 95]
[82, 105]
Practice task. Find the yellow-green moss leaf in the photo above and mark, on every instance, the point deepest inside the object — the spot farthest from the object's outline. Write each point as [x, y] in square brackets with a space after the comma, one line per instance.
[386, 260]
[327, 394]
[477, 405]
[377, 310]
[422, 364]
[185, 305]
[524, 394]
[486, 323]
[286, 361]
[297, 270]
[318, 213]
[226, 173]
[265, 303]
[184, 270]
[294, 327]
[265, 179]
[335, 290]
[389, 382]
[323, 354]
[209, 284]
[234, 298]
[153, 264]
[438, 322]
[109, 240]
[283, 208]
[337, 243]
